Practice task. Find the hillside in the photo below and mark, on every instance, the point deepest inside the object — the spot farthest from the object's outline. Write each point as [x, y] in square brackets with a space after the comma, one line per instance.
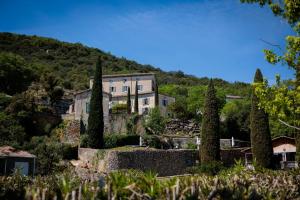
[74, 63]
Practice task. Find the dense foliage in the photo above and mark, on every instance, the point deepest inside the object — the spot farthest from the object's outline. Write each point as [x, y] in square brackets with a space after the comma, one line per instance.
[235, 183]
[282, 100]
[15, 73]
[95, 129]
[210, 134]
[236, 120]
[154, 123]
[73, 64]
[261, 142]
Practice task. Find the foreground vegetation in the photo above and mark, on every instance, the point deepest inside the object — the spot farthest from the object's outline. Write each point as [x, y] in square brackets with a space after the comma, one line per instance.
[233, 183]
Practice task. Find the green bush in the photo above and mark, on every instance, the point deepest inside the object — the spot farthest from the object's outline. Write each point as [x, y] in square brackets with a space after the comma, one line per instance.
[211, 168]
[69, 151]
[112, 141]
[191, 145]
[236, 183]
[84, 140]
[131, 124]
[154, 123]
[157, 142]
[119, 108]
[13, 187]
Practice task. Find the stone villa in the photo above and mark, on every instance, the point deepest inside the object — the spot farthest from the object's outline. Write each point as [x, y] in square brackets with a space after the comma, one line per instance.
[115, 89]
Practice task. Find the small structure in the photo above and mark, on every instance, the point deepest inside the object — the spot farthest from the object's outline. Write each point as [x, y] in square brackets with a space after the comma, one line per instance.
[12, 159]
[284, 150]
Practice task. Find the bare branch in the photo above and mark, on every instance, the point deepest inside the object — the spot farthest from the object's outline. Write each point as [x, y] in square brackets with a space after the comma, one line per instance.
[269, 43]
[285, 123]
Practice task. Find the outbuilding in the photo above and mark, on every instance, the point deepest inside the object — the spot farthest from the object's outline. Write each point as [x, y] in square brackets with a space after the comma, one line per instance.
[12, 159]
[284, 150]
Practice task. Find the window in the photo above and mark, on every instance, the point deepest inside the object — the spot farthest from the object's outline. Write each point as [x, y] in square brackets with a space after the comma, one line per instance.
[23, 167]
[146, 101]
[164, 102]
[124, 88]
[87, 107]
[140, 87]
[112, 89]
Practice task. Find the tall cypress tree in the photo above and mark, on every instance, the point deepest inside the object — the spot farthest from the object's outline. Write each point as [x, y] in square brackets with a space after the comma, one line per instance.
[95, 120]
[156, 96]
[128, 101]
[136, 99]
[210, 136]
[261, 142]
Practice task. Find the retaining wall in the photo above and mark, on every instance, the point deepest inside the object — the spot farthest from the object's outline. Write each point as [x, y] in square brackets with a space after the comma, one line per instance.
[164, 162]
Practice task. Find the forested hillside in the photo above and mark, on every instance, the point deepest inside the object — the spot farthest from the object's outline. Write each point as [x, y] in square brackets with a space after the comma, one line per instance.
[73, 64]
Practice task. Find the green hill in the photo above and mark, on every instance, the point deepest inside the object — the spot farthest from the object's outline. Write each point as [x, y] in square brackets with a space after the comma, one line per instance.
[75, 63]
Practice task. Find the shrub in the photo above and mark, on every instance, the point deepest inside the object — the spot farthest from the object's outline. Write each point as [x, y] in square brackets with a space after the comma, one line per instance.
[84, 140]
[191, 145]
[112, 141]
[119, 108]
[154, 123]
[131, 124]
[69, 151]
[157, 142]
[13, 187]
[48, 152]
[211, 168]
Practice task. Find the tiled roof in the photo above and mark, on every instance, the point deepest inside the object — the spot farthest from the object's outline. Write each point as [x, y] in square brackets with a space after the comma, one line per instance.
[8, 151]
[128, 75]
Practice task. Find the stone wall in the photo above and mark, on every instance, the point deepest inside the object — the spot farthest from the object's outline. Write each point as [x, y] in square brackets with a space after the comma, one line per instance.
[118, 122]
[164, 162]
[72, 132]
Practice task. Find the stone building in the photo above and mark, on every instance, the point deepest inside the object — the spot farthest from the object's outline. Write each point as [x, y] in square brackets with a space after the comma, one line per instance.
[81, 106]
[117, 86]
[115, 89]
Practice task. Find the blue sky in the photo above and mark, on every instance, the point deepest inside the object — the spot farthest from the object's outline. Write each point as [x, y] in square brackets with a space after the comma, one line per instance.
[213, 38]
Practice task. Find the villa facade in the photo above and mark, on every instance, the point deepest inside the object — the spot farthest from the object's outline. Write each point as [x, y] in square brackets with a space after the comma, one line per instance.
[115, 88]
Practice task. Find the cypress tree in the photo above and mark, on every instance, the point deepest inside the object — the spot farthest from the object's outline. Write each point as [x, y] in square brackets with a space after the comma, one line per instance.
[128, 101]
[95, 120]
[136, 99]
[156, 96]
[261, 142]
[210, 136]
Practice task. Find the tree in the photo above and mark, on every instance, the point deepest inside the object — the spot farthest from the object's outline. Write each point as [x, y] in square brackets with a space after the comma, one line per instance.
[51, 86]
[156, 96]
[282, 101]
[154, 122]
[210, 136]
[128, 101]
[11, 132]
[95, 120]
[261, 142]
[15, 74]
[237, 119]
[136, 99]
